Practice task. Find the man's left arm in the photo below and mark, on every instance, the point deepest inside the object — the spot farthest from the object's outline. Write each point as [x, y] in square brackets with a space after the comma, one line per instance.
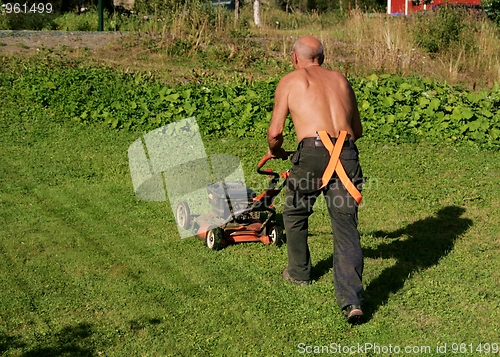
[280, 112]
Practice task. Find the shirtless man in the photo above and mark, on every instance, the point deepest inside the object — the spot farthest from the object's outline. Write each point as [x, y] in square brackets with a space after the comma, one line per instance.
[320, 100]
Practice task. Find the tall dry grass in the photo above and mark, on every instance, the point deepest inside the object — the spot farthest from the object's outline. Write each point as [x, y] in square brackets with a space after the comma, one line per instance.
[382, 44]
[485, 61]
[458, 48]
[450, 44]
[386, 44]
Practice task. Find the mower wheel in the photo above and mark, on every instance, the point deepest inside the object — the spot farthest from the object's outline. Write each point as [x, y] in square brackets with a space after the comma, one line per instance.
[276, 235]
[182, 215]
[214, 238]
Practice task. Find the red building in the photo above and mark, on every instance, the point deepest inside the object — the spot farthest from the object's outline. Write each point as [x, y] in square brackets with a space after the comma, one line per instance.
[406, 7]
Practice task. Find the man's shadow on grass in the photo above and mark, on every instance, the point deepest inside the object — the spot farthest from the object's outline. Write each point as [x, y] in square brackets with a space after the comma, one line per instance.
[418, 246]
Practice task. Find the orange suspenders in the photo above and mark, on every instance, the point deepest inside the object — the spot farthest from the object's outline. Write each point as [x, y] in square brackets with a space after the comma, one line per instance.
[335, 165]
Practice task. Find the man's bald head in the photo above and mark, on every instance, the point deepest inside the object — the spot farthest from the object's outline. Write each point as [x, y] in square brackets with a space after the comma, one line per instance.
[309, 48]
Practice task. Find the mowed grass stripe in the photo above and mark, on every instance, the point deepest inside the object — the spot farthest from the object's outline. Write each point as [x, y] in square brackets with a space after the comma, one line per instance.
[110, 273]
[85, 219]
[82, 237]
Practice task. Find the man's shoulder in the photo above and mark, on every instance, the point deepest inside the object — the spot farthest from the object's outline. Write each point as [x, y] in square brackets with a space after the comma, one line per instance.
[302, 73]
[340, 80]
[292, 78]
[335, 75]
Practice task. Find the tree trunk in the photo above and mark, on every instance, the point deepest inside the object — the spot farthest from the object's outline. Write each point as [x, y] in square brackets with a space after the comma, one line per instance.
[256, 13]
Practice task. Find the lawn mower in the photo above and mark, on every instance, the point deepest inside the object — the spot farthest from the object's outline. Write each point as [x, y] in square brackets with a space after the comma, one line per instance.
[236, 213]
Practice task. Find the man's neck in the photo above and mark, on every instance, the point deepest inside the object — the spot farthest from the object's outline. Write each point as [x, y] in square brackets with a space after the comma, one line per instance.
[307, 65]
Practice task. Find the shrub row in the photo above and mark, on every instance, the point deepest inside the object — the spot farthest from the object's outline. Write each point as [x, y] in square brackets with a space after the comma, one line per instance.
[393, 109]
[412, 109]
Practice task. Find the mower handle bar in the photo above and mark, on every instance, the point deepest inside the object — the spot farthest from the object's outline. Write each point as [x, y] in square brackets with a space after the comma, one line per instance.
[265, 159]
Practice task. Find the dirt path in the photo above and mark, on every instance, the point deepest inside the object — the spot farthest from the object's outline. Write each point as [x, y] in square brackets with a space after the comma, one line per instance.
[125, 51]
[26, 42]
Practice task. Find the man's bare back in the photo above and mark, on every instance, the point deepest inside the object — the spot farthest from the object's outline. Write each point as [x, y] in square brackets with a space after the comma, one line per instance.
[317, 99]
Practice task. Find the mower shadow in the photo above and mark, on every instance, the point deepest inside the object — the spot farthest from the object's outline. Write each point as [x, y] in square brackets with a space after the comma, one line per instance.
[418, 246]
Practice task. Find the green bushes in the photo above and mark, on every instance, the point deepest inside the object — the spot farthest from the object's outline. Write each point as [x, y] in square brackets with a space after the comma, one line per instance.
[64, 22]
[435, 31]
[411, 110]
[392, 108]
[28, 22]
[123, 101]
[492, 9]
[156, 7]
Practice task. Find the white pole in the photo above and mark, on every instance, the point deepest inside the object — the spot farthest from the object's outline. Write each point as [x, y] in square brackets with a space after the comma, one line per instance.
[256, 13]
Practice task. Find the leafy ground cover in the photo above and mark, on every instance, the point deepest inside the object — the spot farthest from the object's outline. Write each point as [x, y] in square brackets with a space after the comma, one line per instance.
[393, 108]
[87, 269]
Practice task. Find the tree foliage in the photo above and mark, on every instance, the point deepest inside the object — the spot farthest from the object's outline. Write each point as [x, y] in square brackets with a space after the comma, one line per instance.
[492, 8]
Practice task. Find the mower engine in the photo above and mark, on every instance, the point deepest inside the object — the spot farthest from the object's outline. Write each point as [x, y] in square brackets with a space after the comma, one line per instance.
[227, 196]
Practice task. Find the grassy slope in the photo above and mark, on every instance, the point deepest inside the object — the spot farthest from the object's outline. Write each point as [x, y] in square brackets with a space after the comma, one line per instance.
[87, 269]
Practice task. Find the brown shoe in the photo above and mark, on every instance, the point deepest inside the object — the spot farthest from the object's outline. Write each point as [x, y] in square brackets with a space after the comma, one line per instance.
[287, 276]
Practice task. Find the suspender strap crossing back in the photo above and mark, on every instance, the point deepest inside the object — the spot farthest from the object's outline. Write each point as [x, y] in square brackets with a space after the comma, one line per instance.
[335, 165]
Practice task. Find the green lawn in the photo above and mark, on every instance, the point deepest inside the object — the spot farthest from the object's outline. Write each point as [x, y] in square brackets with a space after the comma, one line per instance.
[89, 270]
